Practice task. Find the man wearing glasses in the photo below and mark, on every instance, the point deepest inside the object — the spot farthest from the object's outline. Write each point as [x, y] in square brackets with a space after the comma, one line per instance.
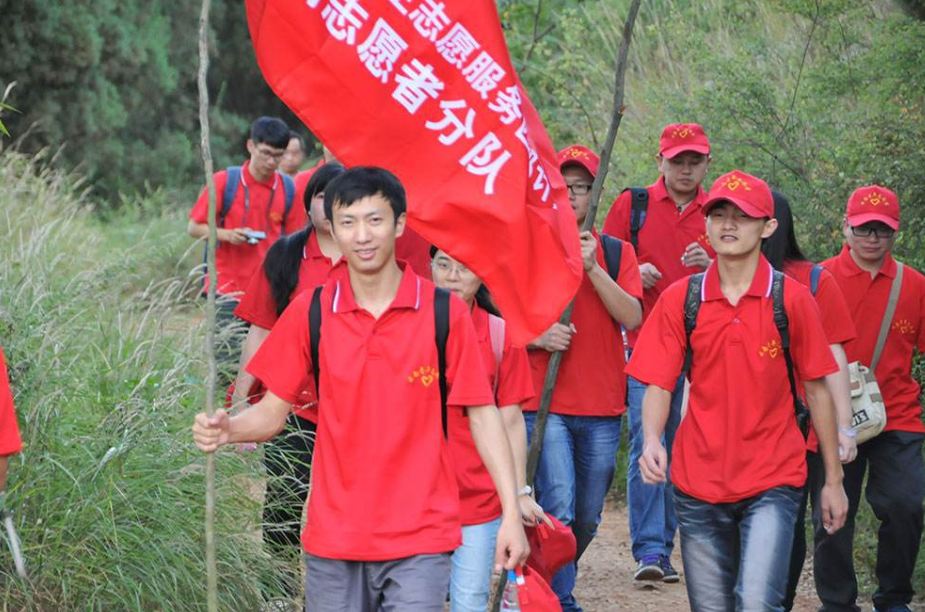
[664, 221]
[866, 272]
[576, 464]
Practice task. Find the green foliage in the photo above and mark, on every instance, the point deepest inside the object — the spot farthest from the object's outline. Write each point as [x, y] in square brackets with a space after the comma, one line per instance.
[114, 81]
[108, 493]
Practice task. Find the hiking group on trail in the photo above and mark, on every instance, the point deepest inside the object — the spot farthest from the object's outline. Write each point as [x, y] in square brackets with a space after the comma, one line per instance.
[396, 411]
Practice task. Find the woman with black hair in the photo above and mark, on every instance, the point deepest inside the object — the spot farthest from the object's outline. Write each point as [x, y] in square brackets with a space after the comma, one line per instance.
[294, 264]
[509, 374]
[783, 252]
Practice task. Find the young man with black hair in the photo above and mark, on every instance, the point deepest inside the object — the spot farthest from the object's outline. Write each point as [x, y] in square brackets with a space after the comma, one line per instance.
[576, 464]
[294, 155]
[664, 222]
[739, 456]
[261, 210]
[383, 516]
[871, 281]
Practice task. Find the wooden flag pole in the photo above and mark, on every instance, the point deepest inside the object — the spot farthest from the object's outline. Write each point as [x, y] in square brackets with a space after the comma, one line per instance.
[552, 371]
[211, 568]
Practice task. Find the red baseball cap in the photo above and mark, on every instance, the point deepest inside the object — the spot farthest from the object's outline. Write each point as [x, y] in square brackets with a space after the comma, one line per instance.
[749, 193]
[680, 137]
[873, 203]
[580, 156]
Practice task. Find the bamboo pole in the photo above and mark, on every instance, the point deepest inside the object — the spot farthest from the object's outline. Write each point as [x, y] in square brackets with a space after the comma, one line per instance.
[552, 371]
[208, 168]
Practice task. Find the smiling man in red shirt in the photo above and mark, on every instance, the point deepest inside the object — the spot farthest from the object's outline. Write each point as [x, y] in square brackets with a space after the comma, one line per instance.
[866, 272]
[383, 515]
[670, 243]
[739, 457]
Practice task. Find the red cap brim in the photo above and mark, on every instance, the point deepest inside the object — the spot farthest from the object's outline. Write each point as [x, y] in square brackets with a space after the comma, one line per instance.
[580, 163]
[748, 209]
[856, 220]
[672, 152]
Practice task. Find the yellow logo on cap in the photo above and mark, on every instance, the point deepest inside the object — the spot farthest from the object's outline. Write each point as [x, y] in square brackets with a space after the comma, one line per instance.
[875, 198]
[684, 132]
[772, 349]
[734, 182]
[576, 153]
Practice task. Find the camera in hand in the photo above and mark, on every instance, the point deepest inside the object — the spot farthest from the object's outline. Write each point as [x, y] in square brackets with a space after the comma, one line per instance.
[253, 237]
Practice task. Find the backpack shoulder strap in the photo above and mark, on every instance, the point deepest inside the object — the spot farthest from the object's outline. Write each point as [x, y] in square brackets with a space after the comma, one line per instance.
[289, 193]
[638, 208]
[442, 333]
[496, 327]
[232, 178]
[613, 253]
[814, 275]
[314, 334]
[782, 322]
[887, 316]
[691, 309]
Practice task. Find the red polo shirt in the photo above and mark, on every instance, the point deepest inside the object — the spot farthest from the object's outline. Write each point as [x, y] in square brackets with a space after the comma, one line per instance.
[383, 483]
[867, 298]
[739, 437]
[591, 380]
[836, 319]
[478, 497]
[265, 205]
[257, 307]
[663, 238]
[10, 441]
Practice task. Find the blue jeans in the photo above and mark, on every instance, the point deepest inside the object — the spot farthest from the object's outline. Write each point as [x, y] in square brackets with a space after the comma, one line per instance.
[470, 576]
[651, 507]
[575, 471]
[736, 554]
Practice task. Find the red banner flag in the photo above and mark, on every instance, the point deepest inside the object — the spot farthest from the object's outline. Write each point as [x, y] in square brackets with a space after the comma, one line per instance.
[426, 89]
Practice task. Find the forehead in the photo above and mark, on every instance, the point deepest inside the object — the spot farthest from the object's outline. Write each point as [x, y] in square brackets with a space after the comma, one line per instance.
[875, 225]
[369, 205]
[691, 157]
[294, 145]
[263, 146]
[574, 172]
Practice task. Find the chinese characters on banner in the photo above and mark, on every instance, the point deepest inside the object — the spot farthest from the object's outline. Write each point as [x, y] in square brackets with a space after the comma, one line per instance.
[426, 89]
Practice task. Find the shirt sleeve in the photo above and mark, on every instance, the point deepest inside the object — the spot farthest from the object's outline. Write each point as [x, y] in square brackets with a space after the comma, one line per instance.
[200, 212]
[836, 318]
[296, 219]
[617, 223]
[283, 363]
[809, 346]
[515, 379]
[659, 352]
[465, 371]
[257, 307]
[628, 278]
[920, 339]
[10, 442]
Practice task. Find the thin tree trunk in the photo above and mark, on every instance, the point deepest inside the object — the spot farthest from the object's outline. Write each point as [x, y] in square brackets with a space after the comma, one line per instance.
[211, 569]
[552, 371]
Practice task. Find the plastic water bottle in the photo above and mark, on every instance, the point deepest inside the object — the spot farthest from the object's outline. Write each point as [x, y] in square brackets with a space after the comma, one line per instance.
[510, 602]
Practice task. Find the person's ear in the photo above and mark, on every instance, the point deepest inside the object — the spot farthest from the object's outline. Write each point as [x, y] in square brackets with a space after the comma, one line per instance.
[770, 227]
[400, 224]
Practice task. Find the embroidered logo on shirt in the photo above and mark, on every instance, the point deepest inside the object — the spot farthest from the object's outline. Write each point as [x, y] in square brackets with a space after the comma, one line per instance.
[772, 349]
[875, 198]
[276, 217]
[903, 326]
[734, 182]
[426, 374]
[682, 133]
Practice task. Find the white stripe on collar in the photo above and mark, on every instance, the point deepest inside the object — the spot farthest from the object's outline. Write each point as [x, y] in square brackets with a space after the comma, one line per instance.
[417, 301]
[336, 297]
[770, 279]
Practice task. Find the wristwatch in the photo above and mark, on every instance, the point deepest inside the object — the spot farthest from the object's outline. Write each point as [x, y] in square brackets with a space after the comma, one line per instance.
[527, 490]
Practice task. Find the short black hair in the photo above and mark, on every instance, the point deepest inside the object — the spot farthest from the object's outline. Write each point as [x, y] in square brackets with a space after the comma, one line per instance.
[319, 182]
[363, 182]
[272, 131]
[295, 135]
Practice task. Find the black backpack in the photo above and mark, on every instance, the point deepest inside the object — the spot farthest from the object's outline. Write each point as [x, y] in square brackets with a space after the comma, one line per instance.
[638, 208]
[781, 320]
[613, 253]
[441, 333]
[233, 174]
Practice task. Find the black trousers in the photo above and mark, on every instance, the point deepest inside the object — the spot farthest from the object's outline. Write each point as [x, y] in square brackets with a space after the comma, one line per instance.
[288, 459]
[798, 554]
[895, 491]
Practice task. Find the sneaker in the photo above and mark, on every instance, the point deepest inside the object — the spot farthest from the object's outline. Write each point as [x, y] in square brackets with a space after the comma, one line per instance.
[649, 569]
[671, 574]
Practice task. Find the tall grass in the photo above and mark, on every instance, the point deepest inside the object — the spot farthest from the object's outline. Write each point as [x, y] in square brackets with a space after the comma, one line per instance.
[103, 347]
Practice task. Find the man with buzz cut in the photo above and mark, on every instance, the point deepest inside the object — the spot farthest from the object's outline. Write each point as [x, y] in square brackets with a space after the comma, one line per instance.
[887, 304]
[742, 332]
[383, 515]
[664, 223]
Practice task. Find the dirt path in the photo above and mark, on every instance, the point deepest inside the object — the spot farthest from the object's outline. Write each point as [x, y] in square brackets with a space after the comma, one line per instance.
[605, 581]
